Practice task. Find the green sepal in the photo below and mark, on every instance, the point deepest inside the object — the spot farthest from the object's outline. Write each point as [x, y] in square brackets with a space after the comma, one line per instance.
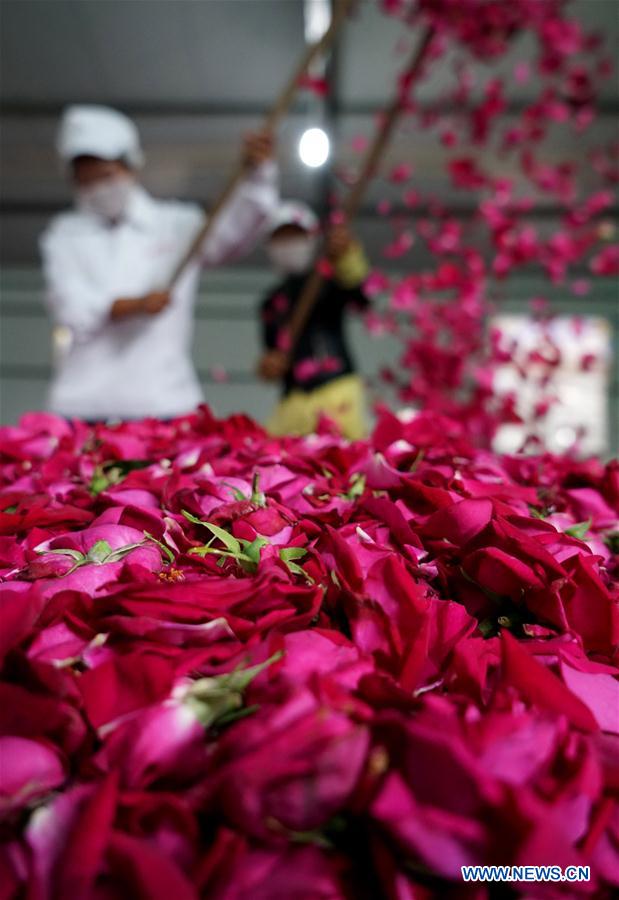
[219, 698]
[580, 530]
[163, 547]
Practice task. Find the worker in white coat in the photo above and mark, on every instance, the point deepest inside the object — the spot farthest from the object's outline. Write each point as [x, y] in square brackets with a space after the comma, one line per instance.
[105, 262]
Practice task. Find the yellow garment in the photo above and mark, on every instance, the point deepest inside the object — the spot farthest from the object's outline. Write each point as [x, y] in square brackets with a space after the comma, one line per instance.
[342, 400]
[352, 267]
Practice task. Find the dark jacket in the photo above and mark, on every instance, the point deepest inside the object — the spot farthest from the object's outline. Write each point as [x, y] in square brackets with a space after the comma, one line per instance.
[321, 354]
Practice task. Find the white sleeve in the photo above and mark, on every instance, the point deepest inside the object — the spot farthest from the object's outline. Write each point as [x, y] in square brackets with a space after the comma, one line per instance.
[70, 296]
[242, 221]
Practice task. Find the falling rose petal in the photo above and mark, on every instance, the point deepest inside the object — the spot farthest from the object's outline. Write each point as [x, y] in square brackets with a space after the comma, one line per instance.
[400, 246]
[581, 287]
[376, 283]
[404, 295]
[359, 143]
[449, 138]
[318, 86]
[401, 173]
[465, 173]
[606, 262]
[522, 72]
[219, 374]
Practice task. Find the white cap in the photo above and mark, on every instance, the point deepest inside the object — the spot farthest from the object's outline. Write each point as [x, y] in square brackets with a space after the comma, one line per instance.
[98, 131]
[293, 212]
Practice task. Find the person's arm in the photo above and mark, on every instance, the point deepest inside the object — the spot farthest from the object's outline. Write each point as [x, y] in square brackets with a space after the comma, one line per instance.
[350, 266]
[241, 222]
[75, 302]
[149, 305]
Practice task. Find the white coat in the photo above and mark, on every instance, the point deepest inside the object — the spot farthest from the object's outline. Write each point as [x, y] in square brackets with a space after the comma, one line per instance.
[139, 366]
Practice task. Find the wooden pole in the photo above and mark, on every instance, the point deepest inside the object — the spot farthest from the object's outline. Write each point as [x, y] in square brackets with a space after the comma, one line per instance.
[278, 111]
[375, 152]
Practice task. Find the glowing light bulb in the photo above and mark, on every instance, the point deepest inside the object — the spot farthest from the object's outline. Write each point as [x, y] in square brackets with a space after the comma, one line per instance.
[314, 147]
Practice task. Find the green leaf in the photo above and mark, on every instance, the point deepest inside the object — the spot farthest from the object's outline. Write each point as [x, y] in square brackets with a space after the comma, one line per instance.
[288, 553]
[357, 486]
[417, 461]
[612, 541]
[288, 556]
[487, 628]
[125, 466]
[535, 514]
[192, 518]
[236, 492]
[239, 679]
[235, 714]
[579, 530]
[65, 551]
[99, 552]
[208, 710]
[257, 496]
[246, 553]
[219, 698]
[114, 471]
[99, 481]
[206, 549]
[296, 569]
[315, 837]
[252, 551]
[227, 539]
[120, 552]
[163, 547]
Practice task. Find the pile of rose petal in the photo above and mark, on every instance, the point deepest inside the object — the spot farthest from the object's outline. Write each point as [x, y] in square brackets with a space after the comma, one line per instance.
[235, 667]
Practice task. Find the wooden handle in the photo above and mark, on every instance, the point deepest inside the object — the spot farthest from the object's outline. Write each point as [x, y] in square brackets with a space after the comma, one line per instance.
[277, 112]
[374, 154]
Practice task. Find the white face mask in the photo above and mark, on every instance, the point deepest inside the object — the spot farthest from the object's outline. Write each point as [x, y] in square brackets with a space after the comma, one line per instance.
[108, 198]
[292, 256]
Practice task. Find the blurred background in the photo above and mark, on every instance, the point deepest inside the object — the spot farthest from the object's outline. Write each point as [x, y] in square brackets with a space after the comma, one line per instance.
[195, 74]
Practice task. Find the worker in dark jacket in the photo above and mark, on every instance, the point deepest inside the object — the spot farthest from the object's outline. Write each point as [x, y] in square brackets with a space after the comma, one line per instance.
[319, 376]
